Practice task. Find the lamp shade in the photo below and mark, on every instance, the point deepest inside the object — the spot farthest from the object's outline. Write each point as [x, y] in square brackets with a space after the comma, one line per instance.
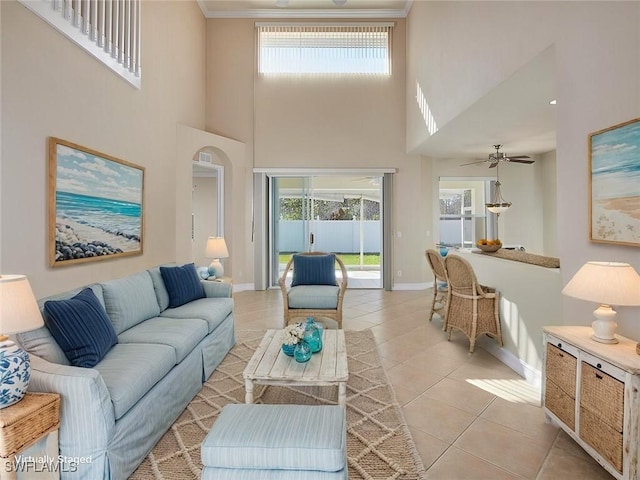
[216, 248]
[609, 283]
[498, 207]
[19, 310]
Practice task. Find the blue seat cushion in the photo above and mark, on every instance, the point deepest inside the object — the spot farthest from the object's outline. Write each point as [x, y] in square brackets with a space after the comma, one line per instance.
[314, 270]
[323, 297]
[286, 437]
[129, 371]
[213, 310]
[181, 334]
[81, 328]
[182, 283]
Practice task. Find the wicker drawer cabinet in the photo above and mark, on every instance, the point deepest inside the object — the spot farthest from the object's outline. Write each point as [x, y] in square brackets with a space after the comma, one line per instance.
[591, 390]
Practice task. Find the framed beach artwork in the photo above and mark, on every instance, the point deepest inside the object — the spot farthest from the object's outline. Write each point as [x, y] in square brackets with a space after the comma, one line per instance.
[614, 168]
[95, 205]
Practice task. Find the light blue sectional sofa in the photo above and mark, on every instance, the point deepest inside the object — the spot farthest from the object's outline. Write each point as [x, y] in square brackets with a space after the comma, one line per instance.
[115, 412]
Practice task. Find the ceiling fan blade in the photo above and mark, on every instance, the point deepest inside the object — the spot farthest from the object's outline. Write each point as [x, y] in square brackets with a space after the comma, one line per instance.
[518, 160]
[474, 163]
[494, 165]
[518, 156]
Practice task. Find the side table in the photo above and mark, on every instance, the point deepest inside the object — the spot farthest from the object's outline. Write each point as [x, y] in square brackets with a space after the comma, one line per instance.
[228, 280]
[221, 279]
[590, 390]
[22, 425]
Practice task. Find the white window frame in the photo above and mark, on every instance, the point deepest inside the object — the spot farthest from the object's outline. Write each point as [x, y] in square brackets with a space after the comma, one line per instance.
[300, 49]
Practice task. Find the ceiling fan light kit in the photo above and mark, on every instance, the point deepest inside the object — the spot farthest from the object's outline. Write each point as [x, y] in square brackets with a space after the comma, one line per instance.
[499, 204]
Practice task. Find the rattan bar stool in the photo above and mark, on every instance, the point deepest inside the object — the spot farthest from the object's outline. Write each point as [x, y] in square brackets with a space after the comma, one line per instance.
[472, 308]
[440, 285]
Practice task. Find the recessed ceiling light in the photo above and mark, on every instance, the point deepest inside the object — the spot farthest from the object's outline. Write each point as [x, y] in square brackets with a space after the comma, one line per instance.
[552, 102]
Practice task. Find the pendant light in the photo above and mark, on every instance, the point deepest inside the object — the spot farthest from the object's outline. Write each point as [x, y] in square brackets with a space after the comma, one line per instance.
[498, 205]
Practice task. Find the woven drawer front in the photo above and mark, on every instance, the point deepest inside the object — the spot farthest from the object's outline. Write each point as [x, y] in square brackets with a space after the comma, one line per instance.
[602, 395]
[561, 369]
[561, 404]
[604, 439]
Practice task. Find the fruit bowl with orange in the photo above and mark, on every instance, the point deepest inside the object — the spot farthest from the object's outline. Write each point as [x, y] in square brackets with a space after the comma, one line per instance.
[489, 245]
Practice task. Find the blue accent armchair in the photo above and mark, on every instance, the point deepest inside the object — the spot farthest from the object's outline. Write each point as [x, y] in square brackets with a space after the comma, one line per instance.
[310, 288]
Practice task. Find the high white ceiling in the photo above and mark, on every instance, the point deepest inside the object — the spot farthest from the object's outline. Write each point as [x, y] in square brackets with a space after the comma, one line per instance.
[515, 114]
[305, 8]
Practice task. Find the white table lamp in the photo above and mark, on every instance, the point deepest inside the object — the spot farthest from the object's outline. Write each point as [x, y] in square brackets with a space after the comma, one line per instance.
[606, 283]
[19, 312]
[216, 249]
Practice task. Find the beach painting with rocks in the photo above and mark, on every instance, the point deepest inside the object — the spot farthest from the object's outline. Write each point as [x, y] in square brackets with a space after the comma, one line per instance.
[95, 208]
[614, 161]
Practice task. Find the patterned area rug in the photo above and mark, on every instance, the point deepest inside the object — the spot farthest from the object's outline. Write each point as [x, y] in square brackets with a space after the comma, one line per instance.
[379, 445]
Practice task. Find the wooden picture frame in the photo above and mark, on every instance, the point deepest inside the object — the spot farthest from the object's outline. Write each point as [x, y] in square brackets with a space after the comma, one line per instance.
[95, 205]
[614, 184]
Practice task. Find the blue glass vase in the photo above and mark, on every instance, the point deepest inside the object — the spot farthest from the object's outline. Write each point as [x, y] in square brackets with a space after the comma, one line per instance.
[288, 349]
[313, 335]
[302, 352]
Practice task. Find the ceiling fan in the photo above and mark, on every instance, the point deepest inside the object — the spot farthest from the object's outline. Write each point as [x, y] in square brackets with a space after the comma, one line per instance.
[495, 158]
[284, 3]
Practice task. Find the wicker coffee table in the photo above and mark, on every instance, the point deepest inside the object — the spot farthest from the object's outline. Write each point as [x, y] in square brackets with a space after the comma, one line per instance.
[270, 366]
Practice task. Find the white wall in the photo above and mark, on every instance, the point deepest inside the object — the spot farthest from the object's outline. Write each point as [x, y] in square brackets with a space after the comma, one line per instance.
[529, 296]
[457, 56]
[237, 215]
[523, 223]
[51, 87]
[327, 123]
[549, 186]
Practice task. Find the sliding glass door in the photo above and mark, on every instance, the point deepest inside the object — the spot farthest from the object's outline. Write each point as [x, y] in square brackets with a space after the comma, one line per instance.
[291, 207]
[341, 214]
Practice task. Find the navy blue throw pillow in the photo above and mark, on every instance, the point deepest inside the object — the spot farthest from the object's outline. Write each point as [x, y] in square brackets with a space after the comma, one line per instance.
[81, 327]
[314, 270]
[182, 284]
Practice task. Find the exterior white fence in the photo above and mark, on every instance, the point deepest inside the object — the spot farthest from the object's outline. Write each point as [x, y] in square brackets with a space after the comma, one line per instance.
[343, 236]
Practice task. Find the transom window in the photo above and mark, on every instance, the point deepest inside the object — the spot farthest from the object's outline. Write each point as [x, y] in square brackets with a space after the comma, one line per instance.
[327, 49]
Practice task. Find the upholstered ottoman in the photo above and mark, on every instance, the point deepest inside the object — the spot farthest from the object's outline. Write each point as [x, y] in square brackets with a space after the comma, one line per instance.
[284, 442]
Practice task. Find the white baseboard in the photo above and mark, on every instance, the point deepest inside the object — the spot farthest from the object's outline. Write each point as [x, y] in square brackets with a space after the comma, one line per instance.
[530, 374]
[243, 287]
[412, 286]
[397, 286]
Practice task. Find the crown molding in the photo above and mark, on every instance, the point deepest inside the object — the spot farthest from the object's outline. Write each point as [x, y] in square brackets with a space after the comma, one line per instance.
[319, 13]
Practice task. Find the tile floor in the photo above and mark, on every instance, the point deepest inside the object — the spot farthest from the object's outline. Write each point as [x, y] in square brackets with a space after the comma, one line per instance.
[471, 417]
